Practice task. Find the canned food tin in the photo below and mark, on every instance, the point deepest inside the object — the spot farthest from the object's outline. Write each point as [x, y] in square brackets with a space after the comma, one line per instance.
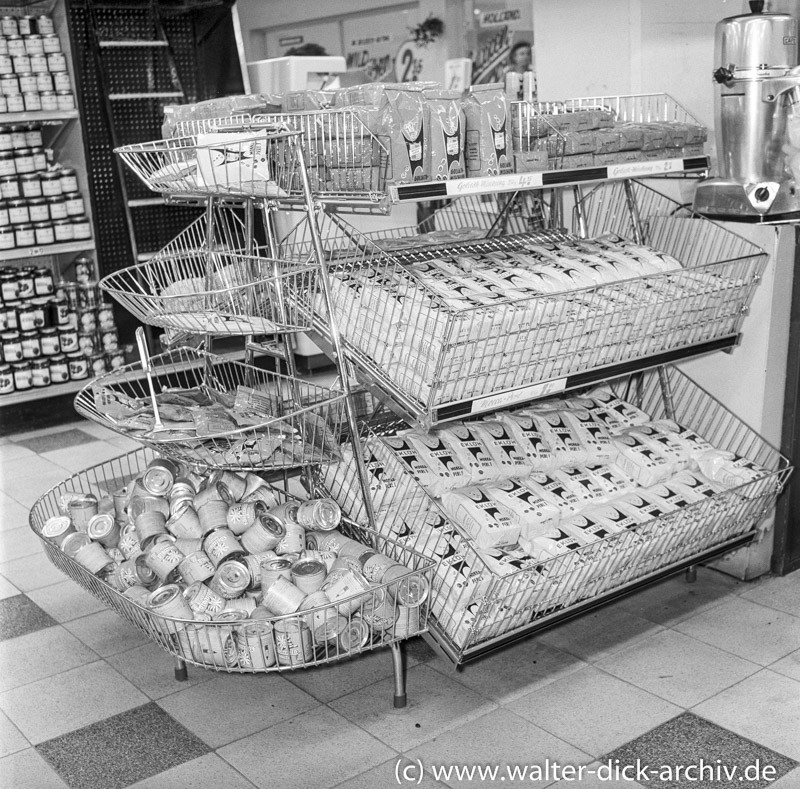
[230, 580]
[94, 558]
[272, 569]
[221, 544]
[74, 542]
[326, 624]
[82, 509]
[355, 550]
[195, 566]
[333, 540]
[132, 572]
[241, 515]
[375, 566]
[283, 597]
[265, 533]
[159, 476]
[406, 588]
[168, 601]
[355, 636]
[163, 558]
[181, 492]
[321, 514]
[212, 644]
[256, 646]
[294, 540]
[203, 600]
[40, 373]
[59, 369]
[6, 379]
[213, 514]
[129, 543]
[236, 484]
[347, 589]
[379, 610]
[57, 528]
[103, 529]
[149, 524]
[138, 594]
[184, 522]
[308, 575]
[31, 344]
[293, 643]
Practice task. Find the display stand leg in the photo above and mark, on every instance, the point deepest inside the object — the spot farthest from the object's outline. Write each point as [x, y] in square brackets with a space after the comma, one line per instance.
[399, 676]
[633, 212]
[580, 215]
[209, 279]
[691, 574]
[180, 670]
[666, 393]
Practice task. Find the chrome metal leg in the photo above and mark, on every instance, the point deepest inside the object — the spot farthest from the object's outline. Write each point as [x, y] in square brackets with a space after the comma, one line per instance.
[691, 574]
[399, 675]
[180, 670]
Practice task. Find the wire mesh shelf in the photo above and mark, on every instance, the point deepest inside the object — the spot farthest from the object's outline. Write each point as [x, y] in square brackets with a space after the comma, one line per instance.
[217, 412]
[200, 288]
[474, 348]
[480, 596]
[321, 632]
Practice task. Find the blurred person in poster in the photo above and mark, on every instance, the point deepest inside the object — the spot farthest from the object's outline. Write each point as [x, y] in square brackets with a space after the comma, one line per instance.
[520, 58]
[519, 76]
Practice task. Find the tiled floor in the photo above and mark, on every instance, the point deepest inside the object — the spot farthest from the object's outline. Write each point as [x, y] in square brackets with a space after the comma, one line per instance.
[703, 675]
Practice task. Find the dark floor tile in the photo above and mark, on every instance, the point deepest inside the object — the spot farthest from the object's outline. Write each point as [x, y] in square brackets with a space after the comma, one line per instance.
[19, 615]
[688, 740]
[121, 750]
[419, 649]
[57, 440]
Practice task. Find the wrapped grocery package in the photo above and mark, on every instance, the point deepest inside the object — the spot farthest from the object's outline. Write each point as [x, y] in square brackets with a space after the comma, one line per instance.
[692, 443]
[447, 138]
[403, 131]
[530, 440]
[613, 412]
[554, 491]
[469, 448]
[611, 479]
[481, 517]
[502, 444]
[436, 466]
[488, 142]
[553, 544]
[651, 261]
[666, 442]
[640, 460]
[581, 482]
[592, 434]
[534, 514]
[727, 468]
[561, 437]
[588, 527]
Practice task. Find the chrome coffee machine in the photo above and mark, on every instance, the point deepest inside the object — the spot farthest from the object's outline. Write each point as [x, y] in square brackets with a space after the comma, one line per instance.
[757, 118]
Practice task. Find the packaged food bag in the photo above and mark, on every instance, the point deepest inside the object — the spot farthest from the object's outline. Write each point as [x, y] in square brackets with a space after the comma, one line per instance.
[403, 131]
[481, 517]
[488, 149]
[447, 134]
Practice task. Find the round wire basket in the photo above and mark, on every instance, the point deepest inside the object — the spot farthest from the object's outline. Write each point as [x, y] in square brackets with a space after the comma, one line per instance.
[227, 641]
[217, 412]
[259, 163]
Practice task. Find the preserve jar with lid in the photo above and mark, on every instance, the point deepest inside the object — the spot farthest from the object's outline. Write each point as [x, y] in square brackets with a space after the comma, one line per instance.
[57, 206]
[6, 379]
[24, 235]
[44, 25]
[31, 344]
[63, 230]
[7, 163]
[11, 345]
[78, 366]
[7, 240]
[43, 281]
[9, 187]
[44, 81]
[44, 233]
[49, 100]
[31, 185]
[81, 229]
[75, 204]
[68, 339]
[59, 369]
[51, 183]
[69, 180]
[40, 371]
[38, 209]
[51, 344]
[23, 375]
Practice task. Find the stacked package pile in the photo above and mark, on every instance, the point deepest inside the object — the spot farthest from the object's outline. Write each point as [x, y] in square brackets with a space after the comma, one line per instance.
[457, 326]
[541, 506]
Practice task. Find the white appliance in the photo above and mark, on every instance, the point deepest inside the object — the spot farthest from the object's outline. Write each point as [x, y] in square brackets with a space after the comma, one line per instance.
[278, 75]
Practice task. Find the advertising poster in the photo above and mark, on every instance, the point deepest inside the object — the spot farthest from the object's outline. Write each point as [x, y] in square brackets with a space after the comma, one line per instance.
[498, 28]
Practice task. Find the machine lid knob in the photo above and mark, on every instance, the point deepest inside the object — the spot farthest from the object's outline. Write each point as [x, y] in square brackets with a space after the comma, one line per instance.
[756, 6]
[723, 74]
[761, 194]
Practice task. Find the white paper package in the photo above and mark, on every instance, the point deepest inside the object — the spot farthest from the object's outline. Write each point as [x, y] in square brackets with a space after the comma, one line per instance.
[534, 514]
[469, 448]
[480, 516]
[438, 467]
[562, 438]
[504, 449]
[530, 439]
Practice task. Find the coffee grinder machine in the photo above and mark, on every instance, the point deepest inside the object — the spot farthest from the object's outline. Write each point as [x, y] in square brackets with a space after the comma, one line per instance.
[757, 119]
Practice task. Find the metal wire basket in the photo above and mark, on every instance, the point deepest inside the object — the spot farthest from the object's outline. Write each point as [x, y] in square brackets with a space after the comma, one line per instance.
[481, 599]
[438, 361]
[278, 643]
[225, 413]
[198, 287]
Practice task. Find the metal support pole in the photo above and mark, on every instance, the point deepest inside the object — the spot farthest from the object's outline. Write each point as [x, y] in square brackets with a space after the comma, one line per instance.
[666, 393]
[180, 670]
[398, 663]
[580, 215]
[633, 212]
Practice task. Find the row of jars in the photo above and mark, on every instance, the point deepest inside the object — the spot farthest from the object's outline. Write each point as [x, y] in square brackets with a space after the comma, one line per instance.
[20, 135]
[62, 182]
[24, 343]
[59, 369]
[27, 282]
[31, 234]
[47, 101]
[38, 63]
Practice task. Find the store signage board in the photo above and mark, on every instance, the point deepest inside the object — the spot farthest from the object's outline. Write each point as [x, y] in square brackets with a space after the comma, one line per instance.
[521, 395]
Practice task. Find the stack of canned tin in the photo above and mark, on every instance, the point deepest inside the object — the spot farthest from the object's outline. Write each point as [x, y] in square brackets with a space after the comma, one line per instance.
[205, 552]
[40, 201]
[51, 333]
[33, 67]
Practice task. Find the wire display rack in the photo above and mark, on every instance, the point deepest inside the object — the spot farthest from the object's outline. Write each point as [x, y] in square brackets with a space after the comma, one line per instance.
[313, 636]
[483, 600]
[212, 287]
[229, 415]
[439, 360]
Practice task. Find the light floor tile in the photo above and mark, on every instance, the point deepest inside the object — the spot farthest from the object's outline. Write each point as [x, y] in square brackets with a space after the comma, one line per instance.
[593, 710]
[27, 490]
[66, 600]
[65, 702]
[27, 770]
[207, 771]
[596, 635]
[19, 542]
[435, 704]
[678, 668]
[763, 708]
[341, 750]
[386, 774]
[83, 456]
[41, 654]
[789, 781]
[781, 593]
[7, 589]
[231, 706]
[12, 451]
[513, 672]
[106, 633]
[749, 630]
[338, 679]
[788, 666]
[12, 514]
[152, 670]
[499, 738]
[98, 431]
[124, 444]
[11, 739]
[31, 468]
[31, 572]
